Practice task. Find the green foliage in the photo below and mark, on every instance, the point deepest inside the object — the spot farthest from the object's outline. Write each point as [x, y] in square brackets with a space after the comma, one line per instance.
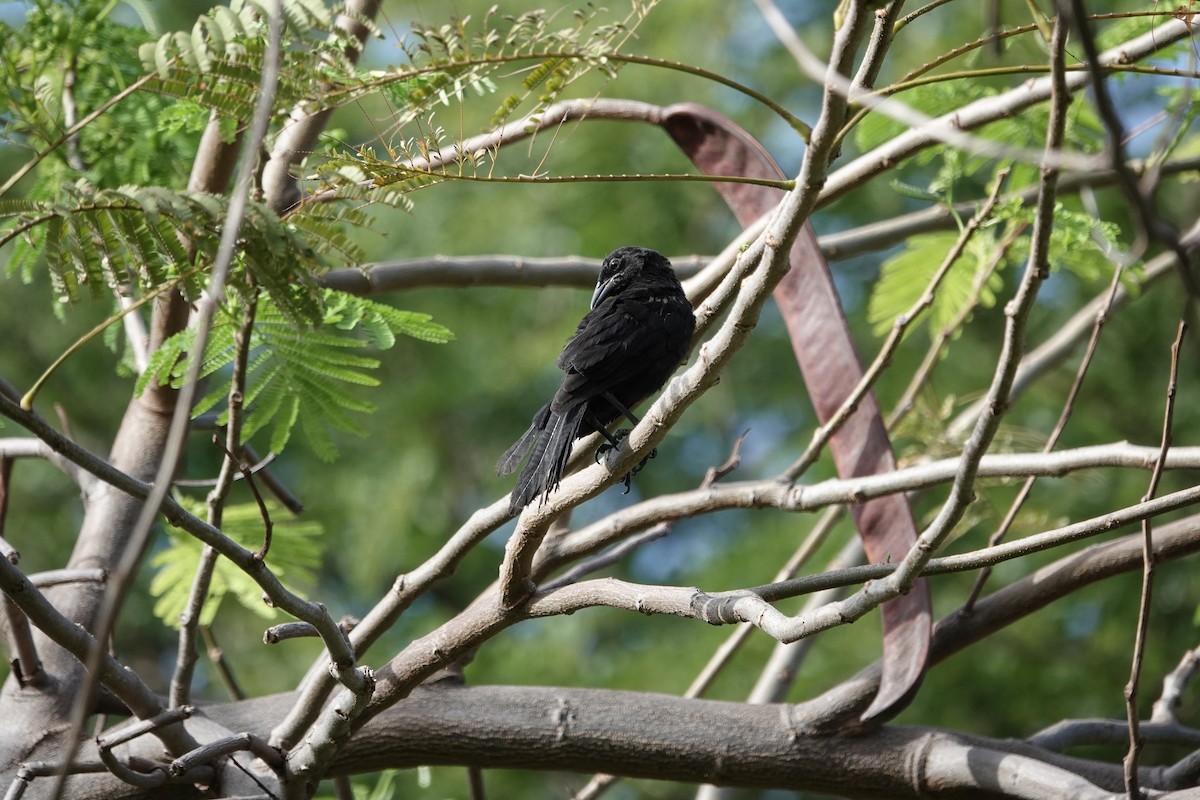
[564, 54]
[64, 63]
[932, 99]
[111, 240]
[444, 62]
[384, 787]
[298, 375]
[294, 556]
[904, 277]
[1079, 243]
[219, 63]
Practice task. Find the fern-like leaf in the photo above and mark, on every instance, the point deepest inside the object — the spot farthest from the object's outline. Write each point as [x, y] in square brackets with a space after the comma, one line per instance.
[904, 277]
[107, 241]
[296, 374]
[294, 556]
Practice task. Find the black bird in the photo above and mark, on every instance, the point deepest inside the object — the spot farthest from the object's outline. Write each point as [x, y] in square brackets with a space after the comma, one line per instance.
[639, 328]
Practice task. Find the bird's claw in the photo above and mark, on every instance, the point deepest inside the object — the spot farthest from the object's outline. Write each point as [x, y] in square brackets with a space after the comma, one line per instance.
[604, 449]
[629, 475]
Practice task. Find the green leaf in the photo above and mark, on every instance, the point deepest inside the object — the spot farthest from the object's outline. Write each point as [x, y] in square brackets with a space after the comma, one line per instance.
[904, 277]
[294, 556]
[298, 375]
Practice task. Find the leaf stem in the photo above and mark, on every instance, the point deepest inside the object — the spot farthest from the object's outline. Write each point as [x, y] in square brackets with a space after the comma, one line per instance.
[28, 398]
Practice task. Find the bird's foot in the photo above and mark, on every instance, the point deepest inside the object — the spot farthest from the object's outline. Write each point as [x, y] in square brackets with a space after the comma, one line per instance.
[618, 437]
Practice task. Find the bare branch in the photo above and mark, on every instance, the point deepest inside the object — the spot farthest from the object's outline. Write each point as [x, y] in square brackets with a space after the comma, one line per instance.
[751, 605]
[14, 448]
[123, 682]
[121, 577]
[189, 620]
[1070, 733]
[948, 128]
[769, 750]
[1143, 619]
[1174, 684]
[1059, 426]
[331, 635]
[493, 270]
[887, 350]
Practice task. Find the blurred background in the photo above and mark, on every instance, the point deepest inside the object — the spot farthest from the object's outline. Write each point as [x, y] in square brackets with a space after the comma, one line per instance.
[447, 412]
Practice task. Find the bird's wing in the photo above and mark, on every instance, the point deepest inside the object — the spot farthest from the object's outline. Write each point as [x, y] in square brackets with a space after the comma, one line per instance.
[606, 338]
[612, 341]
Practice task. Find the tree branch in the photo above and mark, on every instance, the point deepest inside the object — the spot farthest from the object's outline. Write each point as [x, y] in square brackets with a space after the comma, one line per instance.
[948, 128]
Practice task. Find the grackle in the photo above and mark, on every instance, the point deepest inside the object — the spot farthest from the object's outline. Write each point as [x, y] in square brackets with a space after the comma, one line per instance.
[639, 328]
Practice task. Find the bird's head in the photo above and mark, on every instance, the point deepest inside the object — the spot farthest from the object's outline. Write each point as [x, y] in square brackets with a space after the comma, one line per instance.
[622, 266]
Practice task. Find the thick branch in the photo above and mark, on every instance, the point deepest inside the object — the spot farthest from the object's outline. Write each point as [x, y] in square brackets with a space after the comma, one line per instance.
[669, 738]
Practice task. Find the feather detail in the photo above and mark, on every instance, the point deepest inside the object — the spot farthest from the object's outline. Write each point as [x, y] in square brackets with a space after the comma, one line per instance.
[548, 455]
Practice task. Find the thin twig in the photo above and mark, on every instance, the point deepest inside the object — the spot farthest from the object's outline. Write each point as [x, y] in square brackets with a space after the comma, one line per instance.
[478, 791]
[1151, 226]
[933, 354]
[273, 484]
[624, 548]
[224, 671]
[263, 511]
[26, 666]
[1017, 312]
[1143, 620]
[213, 751]
[1069, 733]
[137, 338]
[30, 447]
[600, 783]
[258, 467]
[900, 326]
[71, 115]
[6, 549]
[189, 620]
[59, 577]
[1174, 684]
[1059, 426]
[343, 789]
[121, 578]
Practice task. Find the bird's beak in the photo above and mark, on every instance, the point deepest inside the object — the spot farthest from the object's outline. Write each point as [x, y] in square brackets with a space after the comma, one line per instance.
[601, 292]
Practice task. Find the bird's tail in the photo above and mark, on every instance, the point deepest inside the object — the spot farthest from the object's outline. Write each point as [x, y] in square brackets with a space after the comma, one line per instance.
[549, 442]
